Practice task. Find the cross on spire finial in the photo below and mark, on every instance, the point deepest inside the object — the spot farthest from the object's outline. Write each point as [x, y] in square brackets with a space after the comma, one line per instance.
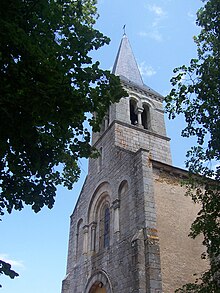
[124, 29]
[125, 64]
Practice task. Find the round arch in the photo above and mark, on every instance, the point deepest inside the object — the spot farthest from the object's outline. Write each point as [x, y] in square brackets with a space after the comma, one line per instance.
[148, 102]
[134, 98]
[123, 187]
[102, 193]
[98, 282]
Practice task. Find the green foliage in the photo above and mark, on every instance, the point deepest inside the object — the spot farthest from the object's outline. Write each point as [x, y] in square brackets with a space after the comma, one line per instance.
[195, 93]
[5, 268]
[48, 85]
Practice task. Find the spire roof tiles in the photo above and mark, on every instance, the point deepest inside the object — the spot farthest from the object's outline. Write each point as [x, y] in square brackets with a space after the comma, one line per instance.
[126, 67]
[125, 63]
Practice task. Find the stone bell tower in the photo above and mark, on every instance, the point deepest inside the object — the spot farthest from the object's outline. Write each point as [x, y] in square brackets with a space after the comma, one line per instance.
[129, 226]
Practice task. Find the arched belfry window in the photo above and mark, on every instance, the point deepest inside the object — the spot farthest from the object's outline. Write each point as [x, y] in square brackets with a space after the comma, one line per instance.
[145, 117]
[133, 115]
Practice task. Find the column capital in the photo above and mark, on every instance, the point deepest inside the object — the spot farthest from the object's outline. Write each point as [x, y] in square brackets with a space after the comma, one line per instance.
[93, 225]
[86, 229]
[139, 110]
[116, 204]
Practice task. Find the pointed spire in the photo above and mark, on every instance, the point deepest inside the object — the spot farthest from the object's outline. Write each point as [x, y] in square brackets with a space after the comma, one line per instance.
[125, 63]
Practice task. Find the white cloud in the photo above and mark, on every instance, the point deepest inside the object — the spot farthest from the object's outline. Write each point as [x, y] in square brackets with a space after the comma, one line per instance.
[146, 70]
[143, 34]
[192, 17]
[156, 9]
[14, 263]
[154, 30]
[153, 34]
[155, 23]
[190, 14]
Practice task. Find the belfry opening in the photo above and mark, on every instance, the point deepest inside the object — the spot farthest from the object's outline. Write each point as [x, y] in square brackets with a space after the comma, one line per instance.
[145, 117]
[133, 115]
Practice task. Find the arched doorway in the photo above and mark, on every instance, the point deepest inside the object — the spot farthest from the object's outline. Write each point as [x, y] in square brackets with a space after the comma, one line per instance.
[98, 288]
[98, 283]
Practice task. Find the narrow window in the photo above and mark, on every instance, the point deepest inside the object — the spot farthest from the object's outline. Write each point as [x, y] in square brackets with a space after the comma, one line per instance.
[100, 159]
[79, 239]
[124, 216]
[106, 227]
[133, 115]
[105, 122]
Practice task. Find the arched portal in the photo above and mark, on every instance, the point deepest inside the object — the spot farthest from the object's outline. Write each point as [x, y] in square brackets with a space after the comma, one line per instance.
[98, 283]
[98, 288]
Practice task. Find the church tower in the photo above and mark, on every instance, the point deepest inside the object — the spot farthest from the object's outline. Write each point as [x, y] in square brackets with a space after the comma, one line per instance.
[126, 231]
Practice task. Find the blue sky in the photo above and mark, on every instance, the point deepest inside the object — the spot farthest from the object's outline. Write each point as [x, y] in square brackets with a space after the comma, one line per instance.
[161, 35]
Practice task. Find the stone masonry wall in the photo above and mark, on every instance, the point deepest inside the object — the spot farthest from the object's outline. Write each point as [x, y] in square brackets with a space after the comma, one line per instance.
[117, 260]
[180, 255]
[132, 261]
[130, 258]
[132, 138]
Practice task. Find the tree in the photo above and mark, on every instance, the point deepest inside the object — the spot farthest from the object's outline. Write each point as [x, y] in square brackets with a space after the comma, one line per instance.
[5, 268]
[48, 86]
[195, 94]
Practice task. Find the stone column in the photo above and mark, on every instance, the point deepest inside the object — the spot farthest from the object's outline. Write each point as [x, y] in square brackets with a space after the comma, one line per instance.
[153, 263]
[138, 262]
[139, 111]
[93, 236]
[85, 239]
[116, 206]
[146, 213]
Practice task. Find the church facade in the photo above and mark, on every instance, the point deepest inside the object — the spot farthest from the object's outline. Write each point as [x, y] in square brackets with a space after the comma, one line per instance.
[129, 229]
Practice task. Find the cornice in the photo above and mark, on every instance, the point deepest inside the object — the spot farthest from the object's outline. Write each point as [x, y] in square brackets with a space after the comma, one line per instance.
[144, 90]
